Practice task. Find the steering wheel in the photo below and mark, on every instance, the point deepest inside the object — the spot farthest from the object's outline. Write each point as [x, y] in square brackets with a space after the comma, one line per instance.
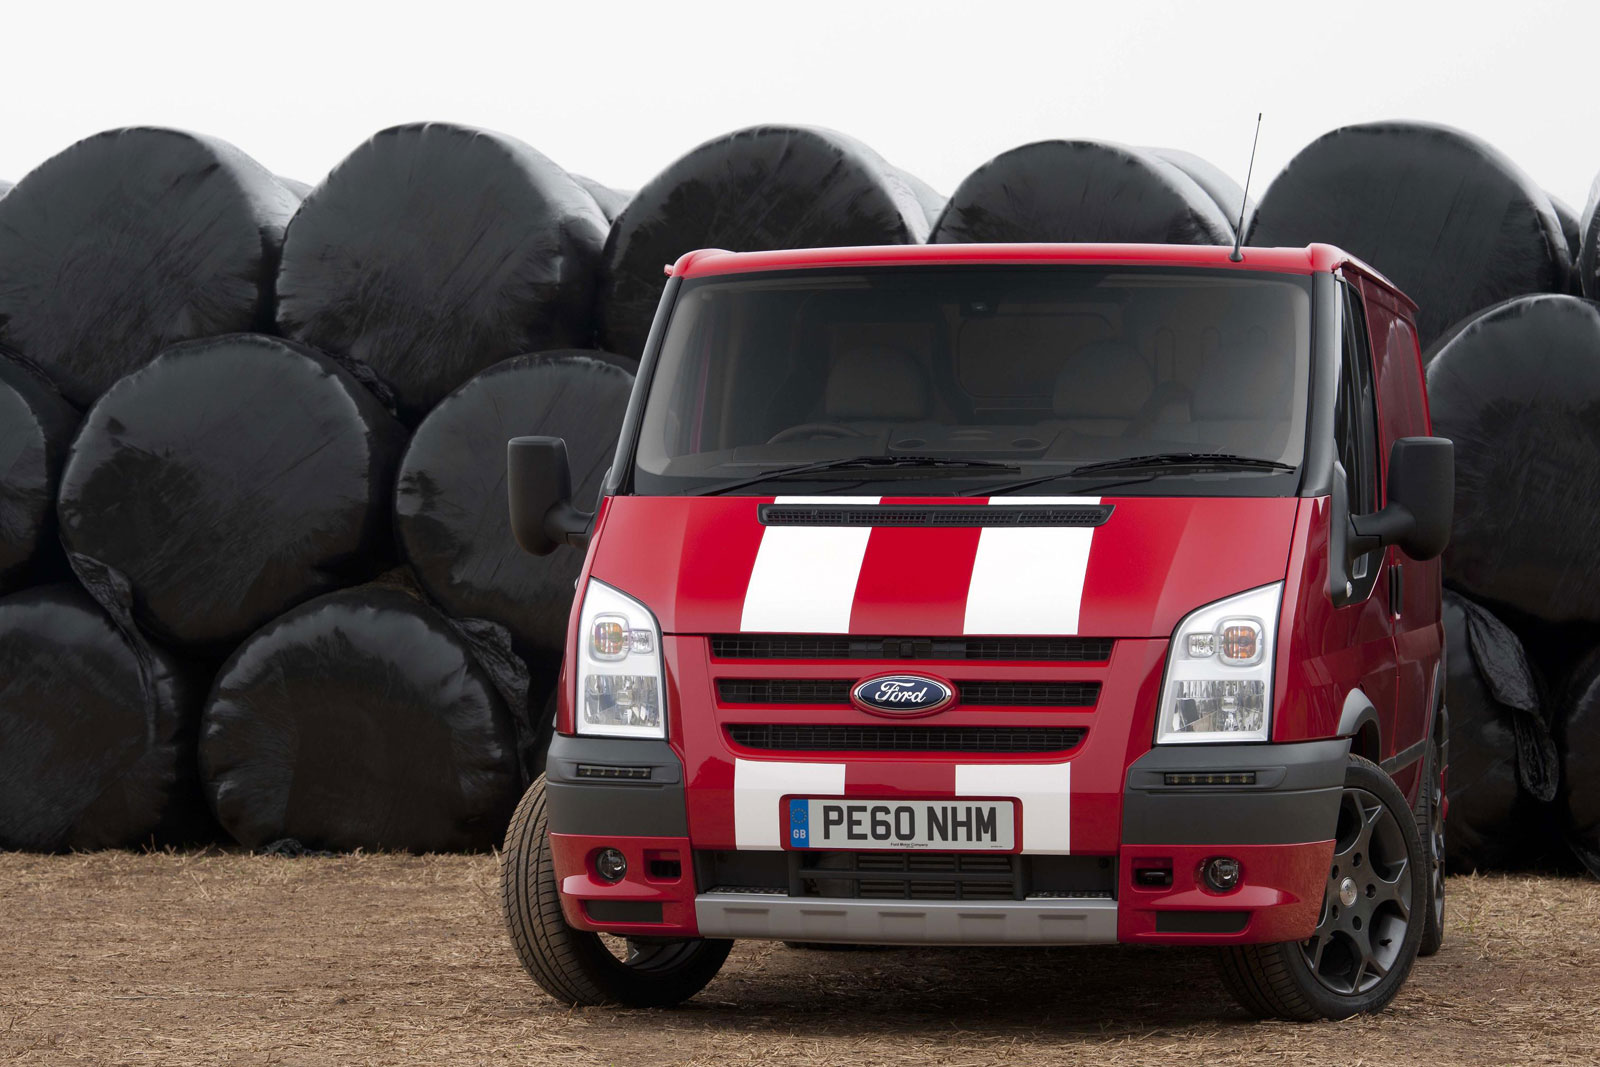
[809, 430]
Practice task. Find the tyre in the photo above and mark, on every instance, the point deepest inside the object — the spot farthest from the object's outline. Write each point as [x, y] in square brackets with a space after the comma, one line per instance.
[1430, 826]
[577, 967]
[1372, 916]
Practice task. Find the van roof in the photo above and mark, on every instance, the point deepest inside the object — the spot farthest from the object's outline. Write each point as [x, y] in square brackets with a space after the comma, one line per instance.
[1312, 259]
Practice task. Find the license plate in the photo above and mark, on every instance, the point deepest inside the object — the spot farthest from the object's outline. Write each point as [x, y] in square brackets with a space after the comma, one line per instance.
[957, 825]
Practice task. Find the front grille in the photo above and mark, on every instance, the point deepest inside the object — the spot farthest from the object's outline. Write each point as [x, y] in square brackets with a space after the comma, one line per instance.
[1031, 694]
[774, 737]
[910, 875]
[823, 646]
[1023, 515]
[778, 691]
[814, 692]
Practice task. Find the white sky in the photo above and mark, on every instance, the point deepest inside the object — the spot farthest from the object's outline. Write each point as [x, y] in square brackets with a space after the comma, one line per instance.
[617, 90]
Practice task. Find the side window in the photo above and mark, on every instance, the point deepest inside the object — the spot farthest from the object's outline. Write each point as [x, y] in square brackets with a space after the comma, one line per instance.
[1356, 432]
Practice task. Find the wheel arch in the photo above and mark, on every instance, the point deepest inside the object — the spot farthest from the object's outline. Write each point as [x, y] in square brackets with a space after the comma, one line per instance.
[1358, 721]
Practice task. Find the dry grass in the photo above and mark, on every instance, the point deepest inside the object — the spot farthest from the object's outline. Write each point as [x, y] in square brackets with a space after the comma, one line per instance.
[233, 959]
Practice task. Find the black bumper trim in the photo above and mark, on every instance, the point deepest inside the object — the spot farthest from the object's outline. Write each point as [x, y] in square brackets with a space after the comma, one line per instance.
[1295, 798]
[624, 807]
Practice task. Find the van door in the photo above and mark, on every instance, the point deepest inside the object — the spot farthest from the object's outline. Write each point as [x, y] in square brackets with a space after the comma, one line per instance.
[1360, 447]
[1413, 585]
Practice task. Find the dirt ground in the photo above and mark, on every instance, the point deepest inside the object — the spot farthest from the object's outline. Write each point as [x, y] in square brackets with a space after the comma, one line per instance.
[177, 959]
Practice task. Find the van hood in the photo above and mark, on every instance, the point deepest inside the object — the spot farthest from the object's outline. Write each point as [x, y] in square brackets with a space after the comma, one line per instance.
[1100, 567]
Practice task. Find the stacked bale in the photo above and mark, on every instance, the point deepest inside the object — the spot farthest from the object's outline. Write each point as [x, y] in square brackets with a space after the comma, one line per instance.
[433, 251]
[752, 190]
[36, 427]
[610, 201]
[225, 482]
[1228, 194]
[360, 720]
[97, 730]
[450, 504]
[1518, 391]
[1503, 764]
[1450, 220]
[1578, 738]
[129, 242]
[1081, 191]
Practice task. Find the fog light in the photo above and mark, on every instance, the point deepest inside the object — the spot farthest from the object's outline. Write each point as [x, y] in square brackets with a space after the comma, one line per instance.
[1221, 874]
[611, 864]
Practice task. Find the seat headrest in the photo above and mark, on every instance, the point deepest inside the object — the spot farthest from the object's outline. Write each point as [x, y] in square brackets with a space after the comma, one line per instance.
[1246, 378]
[1102, 380]
[875, 382]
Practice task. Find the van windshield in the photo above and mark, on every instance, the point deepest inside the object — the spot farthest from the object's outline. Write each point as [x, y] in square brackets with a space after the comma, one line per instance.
[934, 380]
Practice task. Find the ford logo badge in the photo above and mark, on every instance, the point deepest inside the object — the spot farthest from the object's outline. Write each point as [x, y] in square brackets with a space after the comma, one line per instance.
[902, 694]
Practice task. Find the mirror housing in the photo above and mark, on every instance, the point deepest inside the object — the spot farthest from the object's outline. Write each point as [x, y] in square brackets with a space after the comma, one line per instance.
[539, 493]
[1422, 490]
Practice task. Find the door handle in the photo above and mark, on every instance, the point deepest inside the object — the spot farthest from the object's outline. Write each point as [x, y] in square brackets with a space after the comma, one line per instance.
[1397, 589]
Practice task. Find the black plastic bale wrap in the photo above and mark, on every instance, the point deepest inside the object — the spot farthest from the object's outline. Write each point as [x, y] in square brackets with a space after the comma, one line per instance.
[1217, 183]
[1503, 763]
[756, 189]
[97, 733]
[300, 189]
[1450, 220]
[227, 481]
[1087, 191]
[360, 720]
[1518, 391]
[129, 242]
[1578, 738]
[1571, 228]
[450, 504]
[433, 251]
[610, 201]
[36, 427]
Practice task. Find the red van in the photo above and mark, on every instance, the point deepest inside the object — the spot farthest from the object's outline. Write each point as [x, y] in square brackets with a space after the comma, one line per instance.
[1001, 595]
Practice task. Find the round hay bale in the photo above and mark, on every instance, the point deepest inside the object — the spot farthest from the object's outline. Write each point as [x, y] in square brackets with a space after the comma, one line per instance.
[756, 189]
[129, 242]
[227, 481]
[610, 201]
[1450, 220]
[1218, 185]
[96, 733]
[36, 427]
[450, 500]
[1080, 191]
[1518, 391]
[1577, 732]
[433, 251]
[1502, 760]
[359, 720]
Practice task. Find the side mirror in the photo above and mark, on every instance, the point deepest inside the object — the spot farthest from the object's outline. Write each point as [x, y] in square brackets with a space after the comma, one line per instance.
[539, 492]
[1422, 491]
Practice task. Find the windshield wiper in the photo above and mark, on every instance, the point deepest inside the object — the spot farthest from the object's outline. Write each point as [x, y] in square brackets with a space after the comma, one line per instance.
[1183, 459]
[1156, 464]
[926, 464]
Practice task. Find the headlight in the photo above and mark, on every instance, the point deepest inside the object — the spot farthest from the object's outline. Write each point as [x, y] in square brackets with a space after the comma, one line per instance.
[1218, 685]
[621, 686]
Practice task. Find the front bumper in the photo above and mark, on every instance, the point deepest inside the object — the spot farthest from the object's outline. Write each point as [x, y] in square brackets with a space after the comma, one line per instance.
[1277, 822]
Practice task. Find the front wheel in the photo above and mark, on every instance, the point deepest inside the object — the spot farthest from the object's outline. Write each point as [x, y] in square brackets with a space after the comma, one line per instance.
[1372, 916]
[575, 966]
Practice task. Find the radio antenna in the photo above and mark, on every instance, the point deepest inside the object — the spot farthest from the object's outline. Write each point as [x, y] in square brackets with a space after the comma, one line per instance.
[1238, 233]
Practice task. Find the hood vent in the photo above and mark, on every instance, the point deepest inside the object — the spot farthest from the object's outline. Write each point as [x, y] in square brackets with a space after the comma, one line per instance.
[935, 515]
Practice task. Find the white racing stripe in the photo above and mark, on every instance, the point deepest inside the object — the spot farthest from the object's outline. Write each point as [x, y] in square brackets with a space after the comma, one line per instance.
[1044, 790]
[758, 786]
[804, 577]
[1029, 580]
